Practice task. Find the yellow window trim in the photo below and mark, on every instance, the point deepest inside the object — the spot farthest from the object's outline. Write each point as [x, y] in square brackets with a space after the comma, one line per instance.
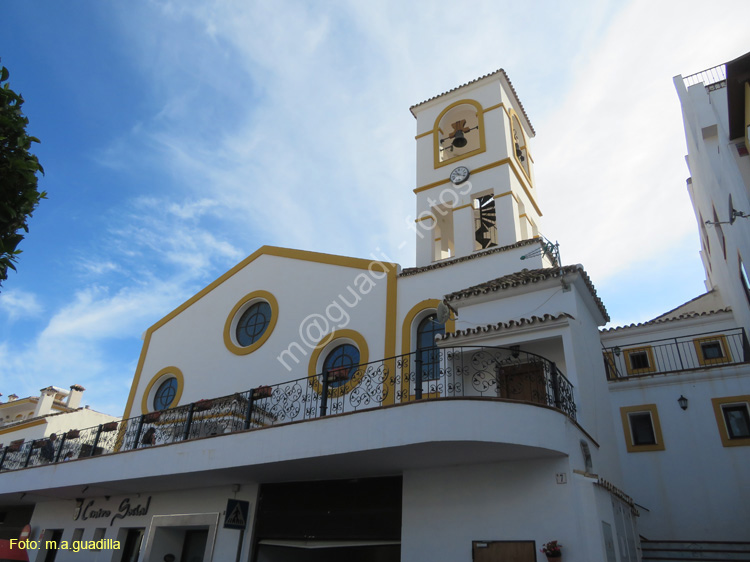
[177, 374]
[722, 340]
[649, 353]
[511, 115]
[259, 296]
[406, 343]
[645, 408]
[721, 423]
[364, 358]
[486, 110]
[436, 133]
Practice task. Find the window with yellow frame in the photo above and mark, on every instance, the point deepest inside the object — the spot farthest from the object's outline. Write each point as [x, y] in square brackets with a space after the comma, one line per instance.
[459, 132]
[733, 420]
[712, 350]
[642, 428]
[639, 360]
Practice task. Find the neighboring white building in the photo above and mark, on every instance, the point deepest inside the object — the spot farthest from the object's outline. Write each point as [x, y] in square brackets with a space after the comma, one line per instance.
[685, 463]
[308, 385]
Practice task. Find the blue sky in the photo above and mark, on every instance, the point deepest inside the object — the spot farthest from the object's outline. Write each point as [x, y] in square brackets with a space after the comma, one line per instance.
[179, 136]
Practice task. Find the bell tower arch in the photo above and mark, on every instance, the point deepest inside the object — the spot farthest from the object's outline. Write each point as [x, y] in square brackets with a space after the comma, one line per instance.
[475, 178]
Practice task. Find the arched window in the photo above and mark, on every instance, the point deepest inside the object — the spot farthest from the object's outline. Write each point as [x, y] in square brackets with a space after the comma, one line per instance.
[428, 354]
[165, 394]
[520, 149]
[341, 364]
[459, 132]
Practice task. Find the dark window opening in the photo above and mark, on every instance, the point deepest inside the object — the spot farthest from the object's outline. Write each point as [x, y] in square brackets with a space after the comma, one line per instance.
[737, 419]
[712, 350]
[485, 222]
[642, 428]
[639, 360]
[428, 355]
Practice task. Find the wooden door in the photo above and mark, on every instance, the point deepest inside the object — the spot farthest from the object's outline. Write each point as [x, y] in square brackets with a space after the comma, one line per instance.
[523, 382]
[503, 551]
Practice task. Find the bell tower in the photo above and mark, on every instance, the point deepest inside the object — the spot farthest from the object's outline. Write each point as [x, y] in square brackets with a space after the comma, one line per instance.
[475, 176]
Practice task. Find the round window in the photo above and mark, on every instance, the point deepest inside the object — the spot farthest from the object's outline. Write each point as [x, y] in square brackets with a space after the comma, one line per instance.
[253, 323]
[165, 394]
[341, 364]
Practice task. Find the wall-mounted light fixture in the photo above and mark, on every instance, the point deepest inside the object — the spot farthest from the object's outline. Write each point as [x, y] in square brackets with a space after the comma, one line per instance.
[683, 402]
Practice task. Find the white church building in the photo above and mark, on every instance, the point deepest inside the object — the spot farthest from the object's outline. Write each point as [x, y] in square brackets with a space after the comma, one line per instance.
[310, 407]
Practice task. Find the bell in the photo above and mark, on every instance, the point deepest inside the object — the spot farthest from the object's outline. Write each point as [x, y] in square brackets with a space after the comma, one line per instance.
[459, 141]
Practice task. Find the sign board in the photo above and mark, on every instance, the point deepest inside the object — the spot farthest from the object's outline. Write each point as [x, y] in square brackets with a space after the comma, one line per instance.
[235, 517]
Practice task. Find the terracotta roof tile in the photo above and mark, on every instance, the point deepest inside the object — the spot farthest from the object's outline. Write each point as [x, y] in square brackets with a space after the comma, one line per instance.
[526, 277]
[502, 326]
[661, 320]
[498, 71]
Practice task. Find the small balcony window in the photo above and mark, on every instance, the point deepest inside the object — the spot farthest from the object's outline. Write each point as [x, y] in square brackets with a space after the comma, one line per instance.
[640, 360]
[712, 350]
[642, 428]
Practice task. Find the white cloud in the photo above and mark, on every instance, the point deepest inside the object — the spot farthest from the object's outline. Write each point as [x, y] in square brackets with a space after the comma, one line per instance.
[17, 303]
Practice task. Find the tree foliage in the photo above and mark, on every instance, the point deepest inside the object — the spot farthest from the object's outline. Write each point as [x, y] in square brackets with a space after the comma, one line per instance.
[19, 195]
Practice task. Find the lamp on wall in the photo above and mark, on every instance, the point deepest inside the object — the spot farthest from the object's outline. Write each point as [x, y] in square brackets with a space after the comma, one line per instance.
[683, 402]
[617, 350]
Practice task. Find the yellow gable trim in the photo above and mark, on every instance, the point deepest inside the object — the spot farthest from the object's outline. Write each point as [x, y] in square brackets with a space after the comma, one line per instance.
[302, 255]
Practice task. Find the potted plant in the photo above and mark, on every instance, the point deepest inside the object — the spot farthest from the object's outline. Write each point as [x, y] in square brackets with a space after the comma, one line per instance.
[109, 426]
[203, 405]
[552, 550]
[152, 417]
[262, 392]
[340, 374]
[73, 434]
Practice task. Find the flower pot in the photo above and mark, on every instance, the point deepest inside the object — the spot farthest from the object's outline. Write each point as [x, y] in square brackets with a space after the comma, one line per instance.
[73, 434]
[203, 405]
[338, 375]
[262, 392]
[110, 426]
[152, 417]
[554, 558]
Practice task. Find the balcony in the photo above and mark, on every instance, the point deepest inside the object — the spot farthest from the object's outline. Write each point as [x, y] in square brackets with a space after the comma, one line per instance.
[707, 350]
[483, 373]
[712, 78]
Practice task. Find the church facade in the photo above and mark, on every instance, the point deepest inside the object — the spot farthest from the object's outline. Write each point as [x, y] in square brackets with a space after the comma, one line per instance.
[309, 407]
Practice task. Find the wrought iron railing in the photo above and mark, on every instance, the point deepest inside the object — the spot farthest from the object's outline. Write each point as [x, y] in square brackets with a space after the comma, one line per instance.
[686, 353]
[484, 372]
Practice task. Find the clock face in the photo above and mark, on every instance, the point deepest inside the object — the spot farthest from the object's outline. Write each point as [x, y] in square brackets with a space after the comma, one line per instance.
[460, 174]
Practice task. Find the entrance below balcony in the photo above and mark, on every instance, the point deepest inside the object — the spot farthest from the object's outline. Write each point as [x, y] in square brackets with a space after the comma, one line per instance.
[331, 521]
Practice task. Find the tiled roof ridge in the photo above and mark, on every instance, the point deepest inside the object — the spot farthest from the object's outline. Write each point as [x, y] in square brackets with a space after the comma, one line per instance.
[516, 323]
[661, 320]
[529, 276]
[406, 272]
[683, 304]
[498, 71]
